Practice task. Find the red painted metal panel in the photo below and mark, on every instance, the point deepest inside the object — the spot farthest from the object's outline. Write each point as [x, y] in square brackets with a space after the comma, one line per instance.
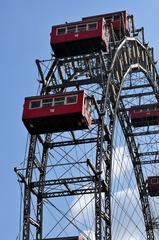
[117, 24]
[79, 42]
[57, 118]
[69, 37]
[54, 110]
[153, 185]
[144, 115]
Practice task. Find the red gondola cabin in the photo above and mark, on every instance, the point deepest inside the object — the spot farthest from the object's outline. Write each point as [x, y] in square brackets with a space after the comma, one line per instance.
[57, 113]
[153, 186]
[84, 37]
[119, 21]
[146, 115]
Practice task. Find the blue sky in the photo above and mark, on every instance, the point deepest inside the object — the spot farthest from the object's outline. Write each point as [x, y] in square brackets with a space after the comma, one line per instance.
[24, 37]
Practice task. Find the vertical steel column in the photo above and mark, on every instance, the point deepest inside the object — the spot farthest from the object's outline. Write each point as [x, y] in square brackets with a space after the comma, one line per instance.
[27, 193]
[98, 197]
[103, 227]
[41, 187]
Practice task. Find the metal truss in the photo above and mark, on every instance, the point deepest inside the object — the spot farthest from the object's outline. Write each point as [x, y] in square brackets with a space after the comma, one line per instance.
[108, 74]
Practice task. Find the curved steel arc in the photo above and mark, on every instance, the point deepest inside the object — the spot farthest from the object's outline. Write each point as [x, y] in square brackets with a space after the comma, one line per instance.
[127, 42]
[149, 70]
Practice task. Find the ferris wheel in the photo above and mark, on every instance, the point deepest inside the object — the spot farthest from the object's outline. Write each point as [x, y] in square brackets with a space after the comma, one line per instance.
[91, 169]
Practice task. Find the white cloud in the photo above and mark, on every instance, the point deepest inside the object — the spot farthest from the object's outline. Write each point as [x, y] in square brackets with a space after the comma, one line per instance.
[127, 216]
[125, 206]
[121, 162]
[85, 218]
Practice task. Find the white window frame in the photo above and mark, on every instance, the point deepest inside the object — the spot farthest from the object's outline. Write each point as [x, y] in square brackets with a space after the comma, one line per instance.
[71, 26]
[35, 100]
[82, 25]
[46, 103]
[61, 28]
[71, 96]
[59, 101]
[92, 23]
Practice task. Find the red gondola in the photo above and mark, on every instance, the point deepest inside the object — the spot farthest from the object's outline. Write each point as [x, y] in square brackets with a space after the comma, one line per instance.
[79, 38]
[119, 20]
[153, 186]
[146, 115]
[57, 113]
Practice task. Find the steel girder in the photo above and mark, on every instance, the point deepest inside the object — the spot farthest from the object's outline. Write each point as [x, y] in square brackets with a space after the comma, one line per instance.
[130, 56]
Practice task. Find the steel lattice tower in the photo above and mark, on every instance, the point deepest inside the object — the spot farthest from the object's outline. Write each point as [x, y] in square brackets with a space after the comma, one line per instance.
[74, 164]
